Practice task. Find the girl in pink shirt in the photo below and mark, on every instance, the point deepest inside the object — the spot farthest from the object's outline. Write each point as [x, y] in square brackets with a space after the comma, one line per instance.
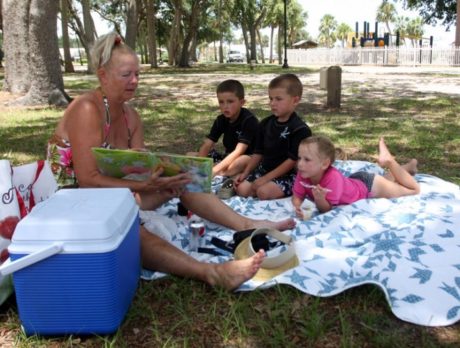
[319, 181]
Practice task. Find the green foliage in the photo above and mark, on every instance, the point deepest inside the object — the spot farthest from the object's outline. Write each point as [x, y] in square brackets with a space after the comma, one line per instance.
[327, 30]
[409, 28]
[386, 13]
[342, 32]
[435, 10]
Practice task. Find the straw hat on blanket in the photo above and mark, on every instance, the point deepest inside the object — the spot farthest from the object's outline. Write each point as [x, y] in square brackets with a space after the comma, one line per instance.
[284, 257]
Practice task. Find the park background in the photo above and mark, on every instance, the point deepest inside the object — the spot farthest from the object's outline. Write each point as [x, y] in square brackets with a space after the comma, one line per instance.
[175, 101]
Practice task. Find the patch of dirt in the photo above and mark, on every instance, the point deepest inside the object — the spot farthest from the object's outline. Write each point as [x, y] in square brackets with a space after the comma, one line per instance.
[6, 98]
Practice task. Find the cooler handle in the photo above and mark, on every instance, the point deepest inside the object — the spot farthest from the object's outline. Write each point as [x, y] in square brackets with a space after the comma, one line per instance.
[30, 259]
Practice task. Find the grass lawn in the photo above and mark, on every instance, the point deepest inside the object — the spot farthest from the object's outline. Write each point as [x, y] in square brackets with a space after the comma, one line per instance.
[178, 107]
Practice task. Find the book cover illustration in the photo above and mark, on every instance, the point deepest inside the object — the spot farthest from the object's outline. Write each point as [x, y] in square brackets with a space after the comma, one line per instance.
[139, 165]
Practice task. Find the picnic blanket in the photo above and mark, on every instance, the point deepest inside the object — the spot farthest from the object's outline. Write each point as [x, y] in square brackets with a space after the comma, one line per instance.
[409, 247]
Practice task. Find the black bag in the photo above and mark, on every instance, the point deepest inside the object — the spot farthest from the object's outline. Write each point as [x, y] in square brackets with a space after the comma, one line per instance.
[258, 242]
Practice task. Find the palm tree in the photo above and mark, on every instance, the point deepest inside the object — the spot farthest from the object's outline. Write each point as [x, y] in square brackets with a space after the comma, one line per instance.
[386, 13]
[415, 30]
[342, 32]
[297, 19]
[327, 27]
[401, 24]
[275, 19]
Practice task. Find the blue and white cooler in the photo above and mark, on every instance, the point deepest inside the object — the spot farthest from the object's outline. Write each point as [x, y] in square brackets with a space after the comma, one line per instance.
[76, 262]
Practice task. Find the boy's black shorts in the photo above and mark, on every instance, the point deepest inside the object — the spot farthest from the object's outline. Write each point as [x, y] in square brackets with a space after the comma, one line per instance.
[216, 156]
[284, 182]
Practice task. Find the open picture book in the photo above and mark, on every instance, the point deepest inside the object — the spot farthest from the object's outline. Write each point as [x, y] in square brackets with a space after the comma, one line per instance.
[139, 165]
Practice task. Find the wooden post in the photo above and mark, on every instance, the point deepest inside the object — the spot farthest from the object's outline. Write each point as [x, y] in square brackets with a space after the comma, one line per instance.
[334, 86]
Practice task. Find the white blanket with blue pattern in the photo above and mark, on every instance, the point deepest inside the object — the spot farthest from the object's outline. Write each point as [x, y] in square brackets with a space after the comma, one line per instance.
[409, 247]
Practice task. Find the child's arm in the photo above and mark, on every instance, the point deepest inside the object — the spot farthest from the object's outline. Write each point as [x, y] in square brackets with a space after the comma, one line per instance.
[225, 163]
[281, 170]
[319, 195]
[207, 146]
[297, 202]
[253, 163]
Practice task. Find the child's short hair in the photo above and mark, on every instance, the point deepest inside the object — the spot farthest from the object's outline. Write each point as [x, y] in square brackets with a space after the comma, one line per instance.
[289, 81]
[233, 86]
[326, 148]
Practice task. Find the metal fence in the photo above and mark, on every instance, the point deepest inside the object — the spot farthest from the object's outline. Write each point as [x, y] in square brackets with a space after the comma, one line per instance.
[416, 56]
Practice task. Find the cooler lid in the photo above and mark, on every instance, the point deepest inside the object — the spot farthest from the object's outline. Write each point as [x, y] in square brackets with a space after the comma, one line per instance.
[79, 215]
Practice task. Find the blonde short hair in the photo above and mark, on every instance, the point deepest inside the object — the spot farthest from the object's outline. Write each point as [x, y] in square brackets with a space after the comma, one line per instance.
[326, 148]
[101, 52]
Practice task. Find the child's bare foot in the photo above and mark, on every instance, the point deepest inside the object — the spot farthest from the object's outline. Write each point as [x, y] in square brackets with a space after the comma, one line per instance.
[385, 157]
[411, 166]
[282, 225]
[232, 274]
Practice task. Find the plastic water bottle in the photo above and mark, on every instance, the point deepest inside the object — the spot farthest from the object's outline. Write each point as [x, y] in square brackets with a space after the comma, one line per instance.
[196, 227]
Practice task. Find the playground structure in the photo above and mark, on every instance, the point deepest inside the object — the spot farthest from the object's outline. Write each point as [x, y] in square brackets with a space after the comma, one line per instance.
[371, 39]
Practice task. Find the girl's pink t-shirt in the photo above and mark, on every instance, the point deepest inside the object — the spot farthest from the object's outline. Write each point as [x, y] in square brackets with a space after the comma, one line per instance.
[343, 190]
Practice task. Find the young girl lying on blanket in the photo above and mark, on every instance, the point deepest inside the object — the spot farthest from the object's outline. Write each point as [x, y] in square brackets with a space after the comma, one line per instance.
[318, 180]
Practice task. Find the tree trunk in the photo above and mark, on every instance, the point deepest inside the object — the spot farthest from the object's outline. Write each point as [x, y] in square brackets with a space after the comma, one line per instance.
[457, 35]
[1, 16]
[174, 33]
[68, 66]
[457, 30]
[131, 23]
[89, 31]
[192, 29]
[388, 27]
[16, 46]
[77, 26]
[256, 25]
[193, 45]
[272, 30]
[252, 36]
[39, 26]
[141, 46]
[261, 47]
[151, 29]
[280, 55]
[221, 34]
[246, 42]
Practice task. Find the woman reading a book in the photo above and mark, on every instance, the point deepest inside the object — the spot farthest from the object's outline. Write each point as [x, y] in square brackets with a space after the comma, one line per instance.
[102, 118]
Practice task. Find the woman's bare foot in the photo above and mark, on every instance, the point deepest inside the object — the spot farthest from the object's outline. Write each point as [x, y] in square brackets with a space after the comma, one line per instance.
[232, 274]
[282, 225]
[385, 157]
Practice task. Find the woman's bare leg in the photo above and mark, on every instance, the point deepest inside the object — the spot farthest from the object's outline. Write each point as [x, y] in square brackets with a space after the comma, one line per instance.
[211, 208]
[404, 183]
[159, 255]
[151, 201]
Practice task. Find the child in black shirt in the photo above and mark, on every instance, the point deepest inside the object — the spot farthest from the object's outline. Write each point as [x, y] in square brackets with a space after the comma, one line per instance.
[239, 128]
[271, 171]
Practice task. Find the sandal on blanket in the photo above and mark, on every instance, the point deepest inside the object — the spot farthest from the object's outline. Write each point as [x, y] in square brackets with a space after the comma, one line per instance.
[226, 190]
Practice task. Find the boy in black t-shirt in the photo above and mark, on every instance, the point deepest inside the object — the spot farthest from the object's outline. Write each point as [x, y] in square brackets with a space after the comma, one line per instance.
[239, 127]
[270, 173]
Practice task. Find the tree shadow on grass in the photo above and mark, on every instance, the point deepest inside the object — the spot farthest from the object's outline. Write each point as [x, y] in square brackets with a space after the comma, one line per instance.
[27, 142]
